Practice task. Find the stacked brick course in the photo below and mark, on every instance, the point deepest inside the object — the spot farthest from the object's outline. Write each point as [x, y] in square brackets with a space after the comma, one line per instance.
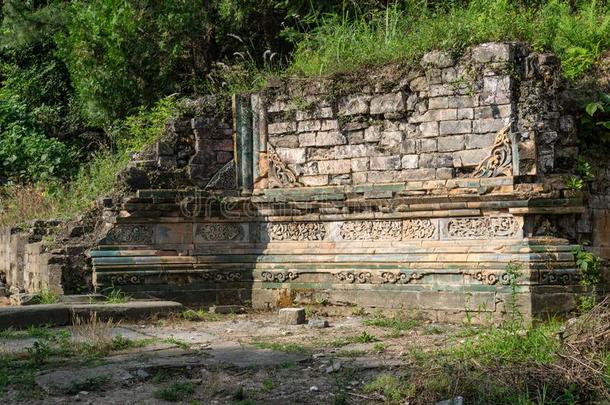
[438, 123]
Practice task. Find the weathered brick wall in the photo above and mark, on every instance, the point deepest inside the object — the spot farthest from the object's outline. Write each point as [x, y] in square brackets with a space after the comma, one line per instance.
[436, 121]
[593, 225]
[12, 245]
[194, 148]
[40, 271]
[25, 262]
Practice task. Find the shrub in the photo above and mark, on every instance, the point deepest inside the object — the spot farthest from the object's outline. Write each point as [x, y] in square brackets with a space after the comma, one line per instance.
[26, 154]
[125, 54]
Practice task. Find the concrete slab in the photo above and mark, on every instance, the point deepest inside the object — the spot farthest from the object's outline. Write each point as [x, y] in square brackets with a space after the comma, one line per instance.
[129, 310]
[20, 317]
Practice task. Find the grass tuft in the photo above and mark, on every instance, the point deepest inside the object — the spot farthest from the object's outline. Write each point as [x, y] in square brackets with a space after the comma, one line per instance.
[199, 315]
[116, 296]
[398, 324]
[405, 32]
[175, 392]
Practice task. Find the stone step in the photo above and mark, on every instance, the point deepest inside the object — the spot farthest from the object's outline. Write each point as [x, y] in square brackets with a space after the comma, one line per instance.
[320, 258]
[81, 298]
[20, 317]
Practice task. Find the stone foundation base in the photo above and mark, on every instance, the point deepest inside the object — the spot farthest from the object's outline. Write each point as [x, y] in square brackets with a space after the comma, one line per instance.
[447, 272]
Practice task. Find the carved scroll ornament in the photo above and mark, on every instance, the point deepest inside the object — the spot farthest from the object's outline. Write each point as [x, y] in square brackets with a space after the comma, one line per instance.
[500, 160]
[491, 278]
[390, 277]
[279, 276]
[349, 277]
[280, 175]
[126, 279]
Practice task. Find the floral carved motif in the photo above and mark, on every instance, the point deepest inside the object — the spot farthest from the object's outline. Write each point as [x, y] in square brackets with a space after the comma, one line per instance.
[371, 230]
[392, 277]
[278, 276]
[130, 234]
[220, 231]
[418, 229]
[483, 227]
[297, 231]
[349, 277]
[500, 160]
[280, 175]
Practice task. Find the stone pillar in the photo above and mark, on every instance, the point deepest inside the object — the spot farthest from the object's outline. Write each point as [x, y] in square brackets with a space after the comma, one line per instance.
[242, 111]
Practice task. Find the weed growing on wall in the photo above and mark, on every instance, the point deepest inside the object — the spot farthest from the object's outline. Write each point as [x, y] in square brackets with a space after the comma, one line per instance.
[589, 265]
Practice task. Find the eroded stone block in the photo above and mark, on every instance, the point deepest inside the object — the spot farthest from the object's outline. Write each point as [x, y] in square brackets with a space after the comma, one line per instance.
[292, 316]
[388, 103]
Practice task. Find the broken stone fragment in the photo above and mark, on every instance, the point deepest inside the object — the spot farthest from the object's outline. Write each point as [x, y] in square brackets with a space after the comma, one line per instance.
[292, 316]
[318, 323]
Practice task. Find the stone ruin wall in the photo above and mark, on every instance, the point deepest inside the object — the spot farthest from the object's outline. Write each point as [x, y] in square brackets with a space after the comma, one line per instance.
[408, 188]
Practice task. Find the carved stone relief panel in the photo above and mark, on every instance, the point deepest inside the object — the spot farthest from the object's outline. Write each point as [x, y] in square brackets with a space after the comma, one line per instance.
[296, 231]
[219, 232]
[419, 229]
[481, 227]
[389, 230]
[371, 230]
[130, 234]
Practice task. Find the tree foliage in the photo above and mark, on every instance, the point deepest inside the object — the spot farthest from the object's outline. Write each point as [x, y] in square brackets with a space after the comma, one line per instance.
[70, 71]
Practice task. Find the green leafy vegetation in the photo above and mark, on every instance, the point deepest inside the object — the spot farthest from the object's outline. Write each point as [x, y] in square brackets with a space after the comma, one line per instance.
[397, 324]
[175, 392]
[97, 383]
[391, 387]
[120, 342]
[177, 342]
[590, 268]
[268, 385]
[594, 134]
[47, 297]
[364, 337]
[116, 296]
[56, 199]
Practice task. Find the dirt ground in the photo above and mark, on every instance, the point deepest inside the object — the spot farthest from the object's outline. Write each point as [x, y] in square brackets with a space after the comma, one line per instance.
[230, 359]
